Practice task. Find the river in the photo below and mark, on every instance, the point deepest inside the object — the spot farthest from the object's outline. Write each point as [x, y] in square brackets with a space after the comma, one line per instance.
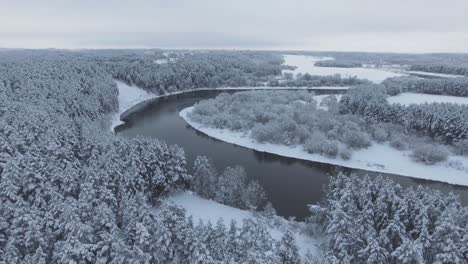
[290, 184]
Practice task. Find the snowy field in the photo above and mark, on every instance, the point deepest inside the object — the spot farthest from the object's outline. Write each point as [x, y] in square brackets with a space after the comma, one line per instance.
[378, 157]
[132, 95]
[418, 98]
[208, 210]
[306, 64]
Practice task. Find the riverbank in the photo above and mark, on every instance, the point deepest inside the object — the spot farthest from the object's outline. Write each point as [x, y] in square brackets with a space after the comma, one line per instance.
[131, 97]
[377, 158]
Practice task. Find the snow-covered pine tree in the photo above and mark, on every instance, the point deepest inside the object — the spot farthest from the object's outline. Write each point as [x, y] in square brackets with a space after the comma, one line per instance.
[287, 249]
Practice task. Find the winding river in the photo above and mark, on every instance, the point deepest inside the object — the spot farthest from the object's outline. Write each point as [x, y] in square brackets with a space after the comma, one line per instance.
[291, 184]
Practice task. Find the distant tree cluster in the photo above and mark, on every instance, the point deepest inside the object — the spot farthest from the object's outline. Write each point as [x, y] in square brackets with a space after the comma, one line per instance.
[308, 80]
[458, 60]
[444, 121]
[232, 187]
[440, 68]
[377, 221]
[338, 64]
[192, 70]
[440, 86]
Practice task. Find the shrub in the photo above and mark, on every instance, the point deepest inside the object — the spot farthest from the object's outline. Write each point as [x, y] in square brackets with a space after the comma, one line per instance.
[318, 143]
[356, 139]
[346, 154]
[398, 143]
[264, 133]
[430, 154]
[379, 134]
[461, 147]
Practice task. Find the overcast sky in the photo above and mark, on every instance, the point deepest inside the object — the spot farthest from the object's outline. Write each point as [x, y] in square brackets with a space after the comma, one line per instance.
[344, 25]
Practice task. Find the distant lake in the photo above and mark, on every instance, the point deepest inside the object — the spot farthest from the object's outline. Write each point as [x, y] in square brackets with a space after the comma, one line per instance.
[291, 184]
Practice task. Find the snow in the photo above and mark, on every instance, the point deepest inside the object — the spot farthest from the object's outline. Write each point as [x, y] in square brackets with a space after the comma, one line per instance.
[164, 61]
[208, 210]
[128, 97]
[306, 64]
[319, 98]
[160, 61]
[379, 157]
[131, 95]
[417, 98]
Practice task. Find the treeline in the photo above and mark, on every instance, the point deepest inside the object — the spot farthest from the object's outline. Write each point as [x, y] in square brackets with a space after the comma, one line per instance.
[191, 70]
[308, 80]
[440, 86]
[440, 68]
[377, 221]
[379, 58]
[443, 121]
[338, 64]
[174, 238]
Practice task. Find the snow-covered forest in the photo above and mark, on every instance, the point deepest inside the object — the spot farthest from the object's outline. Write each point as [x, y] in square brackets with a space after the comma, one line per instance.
[71, 191]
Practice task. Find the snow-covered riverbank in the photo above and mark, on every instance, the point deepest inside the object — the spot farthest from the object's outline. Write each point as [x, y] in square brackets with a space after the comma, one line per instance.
[378, 157]
[211, 211]
[130, 96]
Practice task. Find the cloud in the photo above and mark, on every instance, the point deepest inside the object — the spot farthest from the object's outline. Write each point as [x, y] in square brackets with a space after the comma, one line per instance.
[390, 25]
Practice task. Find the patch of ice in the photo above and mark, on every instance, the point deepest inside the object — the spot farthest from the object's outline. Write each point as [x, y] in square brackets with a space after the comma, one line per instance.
[378, 157]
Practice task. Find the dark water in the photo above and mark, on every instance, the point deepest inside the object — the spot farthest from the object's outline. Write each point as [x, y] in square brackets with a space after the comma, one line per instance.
[291, 184]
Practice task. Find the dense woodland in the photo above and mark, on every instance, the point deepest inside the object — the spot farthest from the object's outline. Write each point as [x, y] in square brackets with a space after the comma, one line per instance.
[441, 68]
[442, 121]
[72, 192]
[440, 86]
[375, 221]
[191, 70]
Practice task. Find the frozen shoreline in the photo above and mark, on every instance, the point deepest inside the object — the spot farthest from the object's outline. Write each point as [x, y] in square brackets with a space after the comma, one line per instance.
[377, 158]
[130, 96]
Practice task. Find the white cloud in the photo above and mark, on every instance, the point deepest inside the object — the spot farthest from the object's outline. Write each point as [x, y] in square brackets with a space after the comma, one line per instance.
[384, 25]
